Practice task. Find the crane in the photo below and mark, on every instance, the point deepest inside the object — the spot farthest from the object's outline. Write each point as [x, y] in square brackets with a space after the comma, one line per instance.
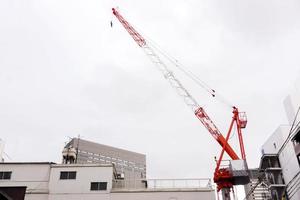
[224, 177]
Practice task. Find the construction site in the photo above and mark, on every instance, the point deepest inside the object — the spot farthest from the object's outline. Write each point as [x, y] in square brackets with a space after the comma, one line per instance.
[92, 107]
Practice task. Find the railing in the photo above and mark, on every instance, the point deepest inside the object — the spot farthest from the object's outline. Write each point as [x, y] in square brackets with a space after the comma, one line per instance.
[200, 183]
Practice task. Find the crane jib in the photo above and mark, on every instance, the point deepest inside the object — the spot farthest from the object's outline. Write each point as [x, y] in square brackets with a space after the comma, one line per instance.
[177, 85]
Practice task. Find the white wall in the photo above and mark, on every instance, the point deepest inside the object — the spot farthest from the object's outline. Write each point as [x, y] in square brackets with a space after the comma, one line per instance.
[209, 195]
[79, 196]
[36, 197]
[34, 176]
[85, 174]
[43, 182]
[292, 102]
[275, 141]
[290, 166]
[288, 158]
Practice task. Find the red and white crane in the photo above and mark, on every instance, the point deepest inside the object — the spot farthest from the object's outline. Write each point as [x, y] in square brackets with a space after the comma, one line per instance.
[223, 177]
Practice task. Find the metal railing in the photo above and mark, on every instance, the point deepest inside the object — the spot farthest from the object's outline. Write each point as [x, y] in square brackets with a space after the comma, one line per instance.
[195, 183]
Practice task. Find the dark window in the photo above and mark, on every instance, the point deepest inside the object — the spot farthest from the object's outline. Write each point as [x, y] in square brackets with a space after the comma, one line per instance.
[68, 175]
[5, 175]
[98, 185]
[297, 137]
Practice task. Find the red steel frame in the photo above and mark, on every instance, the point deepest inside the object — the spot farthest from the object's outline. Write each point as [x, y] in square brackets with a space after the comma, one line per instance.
[222, 176]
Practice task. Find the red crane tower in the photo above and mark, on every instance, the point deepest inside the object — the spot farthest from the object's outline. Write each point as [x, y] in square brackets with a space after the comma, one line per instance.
[236, 171]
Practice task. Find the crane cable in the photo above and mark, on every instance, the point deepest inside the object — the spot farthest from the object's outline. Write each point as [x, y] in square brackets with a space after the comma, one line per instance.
[184, 69]
[189, 73]
[293, 128]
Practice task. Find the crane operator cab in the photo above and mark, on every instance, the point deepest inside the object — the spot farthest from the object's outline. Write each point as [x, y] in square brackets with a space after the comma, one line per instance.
[242, 119]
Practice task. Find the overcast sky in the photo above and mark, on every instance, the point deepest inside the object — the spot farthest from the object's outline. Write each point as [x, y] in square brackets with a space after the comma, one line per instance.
[64, 71]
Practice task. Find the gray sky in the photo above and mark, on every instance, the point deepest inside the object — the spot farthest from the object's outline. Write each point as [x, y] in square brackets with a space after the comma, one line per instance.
[64, 71]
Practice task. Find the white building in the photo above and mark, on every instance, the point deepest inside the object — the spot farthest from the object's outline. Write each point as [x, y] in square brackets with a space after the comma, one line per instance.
[50, 181]
[283, 146]
[290, 155]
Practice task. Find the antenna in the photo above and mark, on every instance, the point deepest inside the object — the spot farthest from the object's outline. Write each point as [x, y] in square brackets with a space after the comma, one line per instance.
[77, 148]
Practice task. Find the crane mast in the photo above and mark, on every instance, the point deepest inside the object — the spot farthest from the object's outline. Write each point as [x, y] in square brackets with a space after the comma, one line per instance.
[176, 84]
[224, 177]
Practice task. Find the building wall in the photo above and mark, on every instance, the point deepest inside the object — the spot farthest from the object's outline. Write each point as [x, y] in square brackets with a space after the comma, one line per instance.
[85, 174]
[34, 176]
[131, 164]
[290, 167]
[43, 180]
[166, 195]
[79, 196]
[292, 102]
[288, 157]
[36, 197]
[43, 183]
[275, 141]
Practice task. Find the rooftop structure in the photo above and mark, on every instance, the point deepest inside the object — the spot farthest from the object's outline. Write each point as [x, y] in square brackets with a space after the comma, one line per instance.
[128, 164]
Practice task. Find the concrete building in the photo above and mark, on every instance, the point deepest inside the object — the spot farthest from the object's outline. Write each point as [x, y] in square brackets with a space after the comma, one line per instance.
[29, 178]
[50, 181]
[129, 165]
[280, 161]
[290, 152]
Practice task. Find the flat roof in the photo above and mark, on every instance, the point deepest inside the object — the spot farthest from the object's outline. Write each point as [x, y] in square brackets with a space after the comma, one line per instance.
[94, 147]
[27, 163]
[82, 165]
[53, 164]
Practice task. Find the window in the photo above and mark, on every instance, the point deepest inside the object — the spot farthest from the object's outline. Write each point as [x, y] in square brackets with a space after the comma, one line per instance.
[297, 137]
[98, 185]
[68, 175]
[5, 175]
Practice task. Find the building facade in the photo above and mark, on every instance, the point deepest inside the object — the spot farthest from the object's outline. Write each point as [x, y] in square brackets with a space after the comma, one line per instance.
[280, 161]
[128, 164]
[290, 154]
[50, 181]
